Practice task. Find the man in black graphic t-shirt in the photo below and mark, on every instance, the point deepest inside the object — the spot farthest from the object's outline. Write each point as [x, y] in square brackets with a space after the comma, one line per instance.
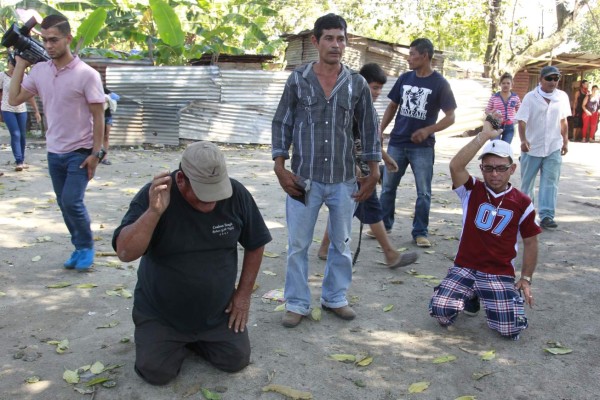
[415, 100]
[186, 226]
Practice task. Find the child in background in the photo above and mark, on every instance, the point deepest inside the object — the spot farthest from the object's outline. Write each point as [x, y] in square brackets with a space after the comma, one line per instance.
[369, 212]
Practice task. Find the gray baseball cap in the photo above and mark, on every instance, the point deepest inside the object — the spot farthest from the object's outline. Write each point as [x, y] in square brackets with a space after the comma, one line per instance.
[549, 70]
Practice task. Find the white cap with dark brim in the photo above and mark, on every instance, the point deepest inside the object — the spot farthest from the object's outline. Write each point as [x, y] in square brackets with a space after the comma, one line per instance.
[499, 148]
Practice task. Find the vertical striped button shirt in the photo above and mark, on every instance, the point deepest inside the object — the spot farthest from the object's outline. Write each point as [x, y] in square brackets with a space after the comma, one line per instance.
[319, 129]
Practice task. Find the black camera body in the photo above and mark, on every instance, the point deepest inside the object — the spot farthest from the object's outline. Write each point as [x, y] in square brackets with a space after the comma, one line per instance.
[25, 47]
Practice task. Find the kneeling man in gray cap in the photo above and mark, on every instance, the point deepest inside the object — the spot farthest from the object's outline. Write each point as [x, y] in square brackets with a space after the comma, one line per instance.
[186, 226]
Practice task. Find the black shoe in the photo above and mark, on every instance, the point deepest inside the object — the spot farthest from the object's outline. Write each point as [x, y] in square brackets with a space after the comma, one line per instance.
[472, 306]
[548, 223]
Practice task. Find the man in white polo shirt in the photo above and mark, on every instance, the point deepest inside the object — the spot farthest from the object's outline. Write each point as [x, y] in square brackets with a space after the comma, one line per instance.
[543, 131]
[73, 99]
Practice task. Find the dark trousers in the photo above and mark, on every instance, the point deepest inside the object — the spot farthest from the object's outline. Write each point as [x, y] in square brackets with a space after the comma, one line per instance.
[160, 349]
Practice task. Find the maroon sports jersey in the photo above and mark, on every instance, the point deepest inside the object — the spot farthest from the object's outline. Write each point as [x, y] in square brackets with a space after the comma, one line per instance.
[488, 241]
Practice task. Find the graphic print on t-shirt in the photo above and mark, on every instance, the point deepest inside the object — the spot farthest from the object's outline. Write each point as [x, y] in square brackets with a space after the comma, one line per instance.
[222, 229]
[414, 100]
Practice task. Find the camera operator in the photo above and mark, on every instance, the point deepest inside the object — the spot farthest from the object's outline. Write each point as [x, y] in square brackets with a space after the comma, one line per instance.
[73, 99]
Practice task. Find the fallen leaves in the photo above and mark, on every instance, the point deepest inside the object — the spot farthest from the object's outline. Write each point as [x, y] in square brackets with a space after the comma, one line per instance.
[444, 359]
[86, 286]
[109, 325]
[478, 375]
[71, 376]
[32, 379]
[270, 255]
[360, 360]
[488, 355]
[287, 391]
[59, 285]
[36, 258]
[557, 348]
[418, 387]
[61, 345]
[209, 395]
[387, 308]
[316, 314]
[120, 291]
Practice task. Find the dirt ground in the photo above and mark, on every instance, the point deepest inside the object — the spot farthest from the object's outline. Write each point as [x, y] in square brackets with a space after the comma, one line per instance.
[403, 342]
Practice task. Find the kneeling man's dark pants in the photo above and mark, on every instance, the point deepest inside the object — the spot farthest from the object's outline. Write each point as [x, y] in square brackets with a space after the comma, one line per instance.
[160, 349]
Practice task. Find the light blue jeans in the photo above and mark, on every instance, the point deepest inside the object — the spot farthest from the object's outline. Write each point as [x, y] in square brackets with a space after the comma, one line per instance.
[421, 161]
[301, 221]
[17, 127]
[69, 183]
[549, 168]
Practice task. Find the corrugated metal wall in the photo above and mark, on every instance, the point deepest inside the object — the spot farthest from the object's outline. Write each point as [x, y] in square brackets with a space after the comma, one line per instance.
[152, 99]
[161, 105]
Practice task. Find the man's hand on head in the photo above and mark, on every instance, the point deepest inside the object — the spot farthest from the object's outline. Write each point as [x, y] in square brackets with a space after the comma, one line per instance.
[160, 192]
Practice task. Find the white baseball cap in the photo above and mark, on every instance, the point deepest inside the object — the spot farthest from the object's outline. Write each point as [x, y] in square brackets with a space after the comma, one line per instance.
[499, 148]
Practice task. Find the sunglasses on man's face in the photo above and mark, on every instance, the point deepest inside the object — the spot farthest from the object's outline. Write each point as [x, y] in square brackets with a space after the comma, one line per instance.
[552, 78]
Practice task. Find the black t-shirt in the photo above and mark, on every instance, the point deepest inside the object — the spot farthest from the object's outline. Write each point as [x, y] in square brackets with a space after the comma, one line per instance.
[187, 276]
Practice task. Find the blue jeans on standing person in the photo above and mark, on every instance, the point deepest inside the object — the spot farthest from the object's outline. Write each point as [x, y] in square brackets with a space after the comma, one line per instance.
[508, 131]
[17, 126]
[549, 168]
[69, 182]
[421, 161]
[301, 221]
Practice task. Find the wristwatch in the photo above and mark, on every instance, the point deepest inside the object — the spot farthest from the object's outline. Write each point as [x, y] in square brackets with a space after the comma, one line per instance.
[100, 154]
[526, 278]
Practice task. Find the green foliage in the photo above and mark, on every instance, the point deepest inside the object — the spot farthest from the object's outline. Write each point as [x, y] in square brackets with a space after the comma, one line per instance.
[90, 27]
[167, 23]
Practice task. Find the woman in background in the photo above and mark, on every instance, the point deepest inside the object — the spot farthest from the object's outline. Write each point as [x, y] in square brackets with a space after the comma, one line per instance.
[506, 103]
[15, 117]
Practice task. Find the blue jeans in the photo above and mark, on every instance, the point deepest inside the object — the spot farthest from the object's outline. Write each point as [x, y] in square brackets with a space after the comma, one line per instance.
[508, 131]
[69, 183]
[301, 221]
[421, 161]
[549, 168]
[17, 126]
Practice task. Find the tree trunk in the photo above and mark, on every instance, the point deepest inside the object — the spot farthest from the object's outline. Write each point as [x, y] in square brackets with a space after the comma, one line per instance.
[491, 50]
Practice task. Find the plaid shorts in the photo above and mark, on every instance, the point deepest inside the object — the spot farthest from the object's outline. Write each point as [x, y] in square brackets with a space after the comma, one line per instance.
[504, 306]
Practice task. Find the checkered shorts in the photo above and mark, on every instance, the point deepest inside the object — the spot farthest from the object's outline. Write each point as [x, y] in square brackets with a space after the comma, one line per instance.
[504, 307]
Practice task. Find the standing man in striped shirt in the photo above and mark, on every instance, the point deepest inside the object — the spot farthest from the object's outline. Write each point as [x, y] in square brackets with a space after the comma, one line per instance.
[315, 118]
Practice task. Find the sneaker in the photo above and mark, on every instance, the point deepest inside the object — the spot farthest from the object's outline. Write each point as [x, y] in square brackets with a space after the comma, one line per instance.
[105, 162]
[70, 263]
[19, 168]
[344, 312]
[291, 319]
[85, 259]
[422, 241]
[548, 223]
[472, 306]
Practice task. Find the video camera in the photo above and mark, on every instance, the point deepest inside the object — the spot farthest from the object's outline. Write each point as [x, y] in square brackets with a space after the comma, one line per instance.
[25, 47]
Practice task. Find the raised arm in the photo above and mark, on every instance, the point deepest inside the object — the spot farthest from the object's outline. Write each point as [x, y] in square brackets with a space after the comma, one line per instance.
[133, 240]
[458, 164]
[16, 94]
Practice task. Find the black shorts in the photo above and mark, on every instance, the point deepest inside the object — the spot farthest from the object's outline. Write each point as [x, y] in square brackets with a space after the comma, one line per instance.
[577, 121]
[160, 349]
[369, 211]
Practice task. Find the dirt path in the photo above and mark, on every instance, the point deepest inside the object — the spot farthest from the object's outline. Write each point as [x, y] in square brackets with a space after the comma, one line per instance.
[403, 341]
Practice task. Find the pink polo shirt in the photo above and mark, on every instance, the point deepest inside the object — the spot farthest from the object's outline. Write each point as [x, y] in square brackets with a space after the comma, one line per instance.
[66, 94]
